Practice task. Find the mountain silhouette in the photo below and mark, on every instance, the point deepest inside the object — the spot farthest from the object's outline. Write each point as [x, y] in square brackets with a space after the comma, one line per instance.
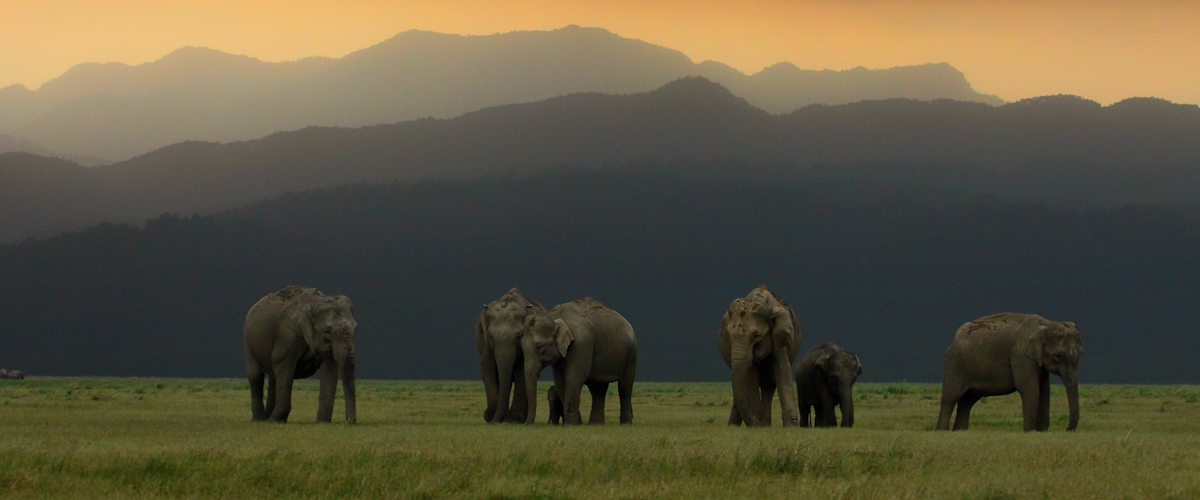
[1060, 148]
[117, 111]
[887, 270]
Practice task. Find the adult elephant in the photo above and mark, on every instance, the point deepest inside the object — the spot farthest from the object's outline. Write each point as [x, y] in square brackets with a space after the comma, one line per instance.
[759, 339]
[3, 374]
[825, 377]
[16, 375]
[498, 338]
[291, 334]
[583, 342]
[1008, 352]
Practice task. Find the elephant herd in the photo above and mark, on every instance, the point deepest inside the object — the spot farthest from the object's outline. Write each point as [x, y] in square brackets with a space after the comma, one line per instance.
[296, 331]
[11, 374]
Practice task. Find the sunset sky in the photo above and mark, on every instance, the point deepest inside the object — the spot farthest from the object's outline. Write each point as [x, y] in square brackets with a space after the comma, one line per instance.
[1104, 50]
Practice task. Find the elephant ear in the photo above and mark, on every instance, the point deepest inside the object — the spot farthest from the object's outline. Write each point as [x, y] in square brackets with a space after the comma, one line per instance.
[481, 329]
[822, 361]
[1035, 340]
[783, 332]
[859, 363]
[562, 336]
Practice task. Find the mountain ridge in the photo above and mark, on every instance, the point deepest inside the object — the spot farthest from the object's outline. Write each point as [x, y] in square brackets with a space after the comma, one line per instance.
[118, 111]
[1054, 148]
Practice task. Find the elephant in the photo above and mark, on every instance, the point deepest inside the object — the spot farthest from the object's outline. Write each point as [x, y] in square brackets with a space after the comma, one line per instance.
[292, 333]
[759, 339]
[556, 408]
[825, 377]
[584, 343]
[16, 375]
[1006, 353]
[498, 338]
[3, 374]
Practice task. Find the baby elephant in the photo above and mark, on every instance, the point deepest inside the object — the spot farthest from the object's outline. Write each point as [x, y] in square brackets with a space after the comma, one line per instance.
[825, 378]
[556, 407]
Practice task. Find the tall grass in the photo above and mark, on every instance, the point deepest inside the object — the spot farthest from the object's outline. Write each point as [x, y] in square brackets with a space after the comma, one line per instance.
[181, 438]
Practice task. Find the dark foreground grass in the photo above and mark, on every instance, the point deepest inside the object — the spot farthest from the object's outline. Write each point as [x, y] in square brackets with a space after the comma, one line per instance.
[131, 438]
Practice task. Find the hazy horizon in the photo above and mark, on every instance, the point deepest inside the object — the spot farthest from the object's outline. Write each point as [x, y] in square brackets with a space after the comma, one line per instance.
[1105, 51]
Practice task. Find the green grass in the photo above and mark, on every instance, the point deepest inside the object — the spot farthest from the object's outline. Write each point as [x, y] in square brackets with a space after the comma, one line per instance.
[133, 438]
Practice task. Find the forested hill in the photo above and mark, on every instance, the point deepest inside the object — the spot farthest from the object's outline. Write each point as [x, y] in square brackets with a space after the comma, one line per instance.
[1054, 148]
[887, 271]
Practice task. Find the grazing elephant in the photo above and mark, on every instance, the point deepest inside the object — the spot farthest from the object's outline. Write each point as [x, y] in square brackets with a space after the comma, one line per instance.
[291, 334]
[825, 378]
[1008, 352]
[584, 343]
[759, 339]
[16, 375]
[556, 408]
[498, 338]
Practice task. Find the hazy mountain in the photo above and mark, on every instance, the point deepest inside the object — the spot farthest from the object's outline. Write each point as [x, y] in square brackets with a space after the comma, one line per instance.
[885, 270]
[1051, 148]
[12, 144]
[117, 111]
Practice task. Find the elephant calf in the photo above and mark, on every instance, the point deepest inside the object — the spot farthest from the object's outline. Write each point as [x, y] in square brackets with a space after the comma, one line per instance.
[825, 378]
[1006, 353]
[556, 407]
[291, 334]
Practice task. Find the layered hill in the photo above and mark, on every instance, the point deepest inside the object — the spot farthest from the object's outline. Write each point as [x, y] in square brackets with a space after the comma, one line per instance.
[1057, 148]
[117, 111]
[885, 270]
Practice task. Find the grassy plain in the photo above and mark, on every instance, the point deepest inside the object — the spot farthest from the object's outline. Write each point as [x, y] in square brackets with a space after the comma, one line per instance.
[192, 438]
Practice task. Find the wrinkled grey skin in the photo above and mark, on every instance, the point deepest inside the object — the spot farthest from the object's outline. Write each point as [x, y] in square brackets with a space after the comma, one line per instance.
[825, 377]
[556, 407]
[498, 339]
[759, 339]
[584, 343]
[1008, 352]
[291, 334]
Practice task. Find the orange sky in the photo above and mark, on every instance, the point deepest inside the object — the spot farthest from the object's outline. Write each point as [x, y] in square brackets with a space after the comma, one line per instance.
[1105, 50]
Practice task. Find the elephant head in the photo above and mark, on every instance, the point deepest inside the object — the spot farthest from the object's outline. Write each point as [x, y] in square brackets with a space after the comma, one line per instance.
[842, 369]
[756, 329]
[1056, 347]
[498, 333]
[328, 326]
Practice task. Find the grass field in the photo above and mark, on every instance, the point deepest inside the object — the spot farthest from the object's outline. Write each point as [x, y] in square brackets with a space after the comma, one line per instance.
[131, 438]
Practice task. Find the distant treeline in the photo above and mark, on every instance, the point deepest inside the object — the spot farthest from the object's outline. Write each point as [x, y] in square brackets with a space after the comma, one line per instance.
[887, 271]
[1052, 148]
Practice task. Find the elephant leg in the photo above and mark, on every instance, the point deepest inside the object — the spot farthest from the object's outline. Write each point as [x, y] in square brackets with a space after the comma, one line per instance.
[805, 407]
[520, 401]
[785, 379]
[329, 380]
[1043, 413]
[599, 391]
[965, 403]
[1026, 378]
[270, 407]
[625, 391]
[767, 394]
[256, 377]
[569, 391]
[735, 417]
[283, 393]
[952, 390]
[491, 383]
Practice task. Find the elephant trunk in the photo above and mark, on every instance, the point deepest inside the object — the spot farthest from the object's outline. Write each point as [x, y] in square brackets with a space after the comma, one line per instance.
[505, 359]
[847, 403]
[533, 368]
[346, 371]
[1071, 382]
[745, 398]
